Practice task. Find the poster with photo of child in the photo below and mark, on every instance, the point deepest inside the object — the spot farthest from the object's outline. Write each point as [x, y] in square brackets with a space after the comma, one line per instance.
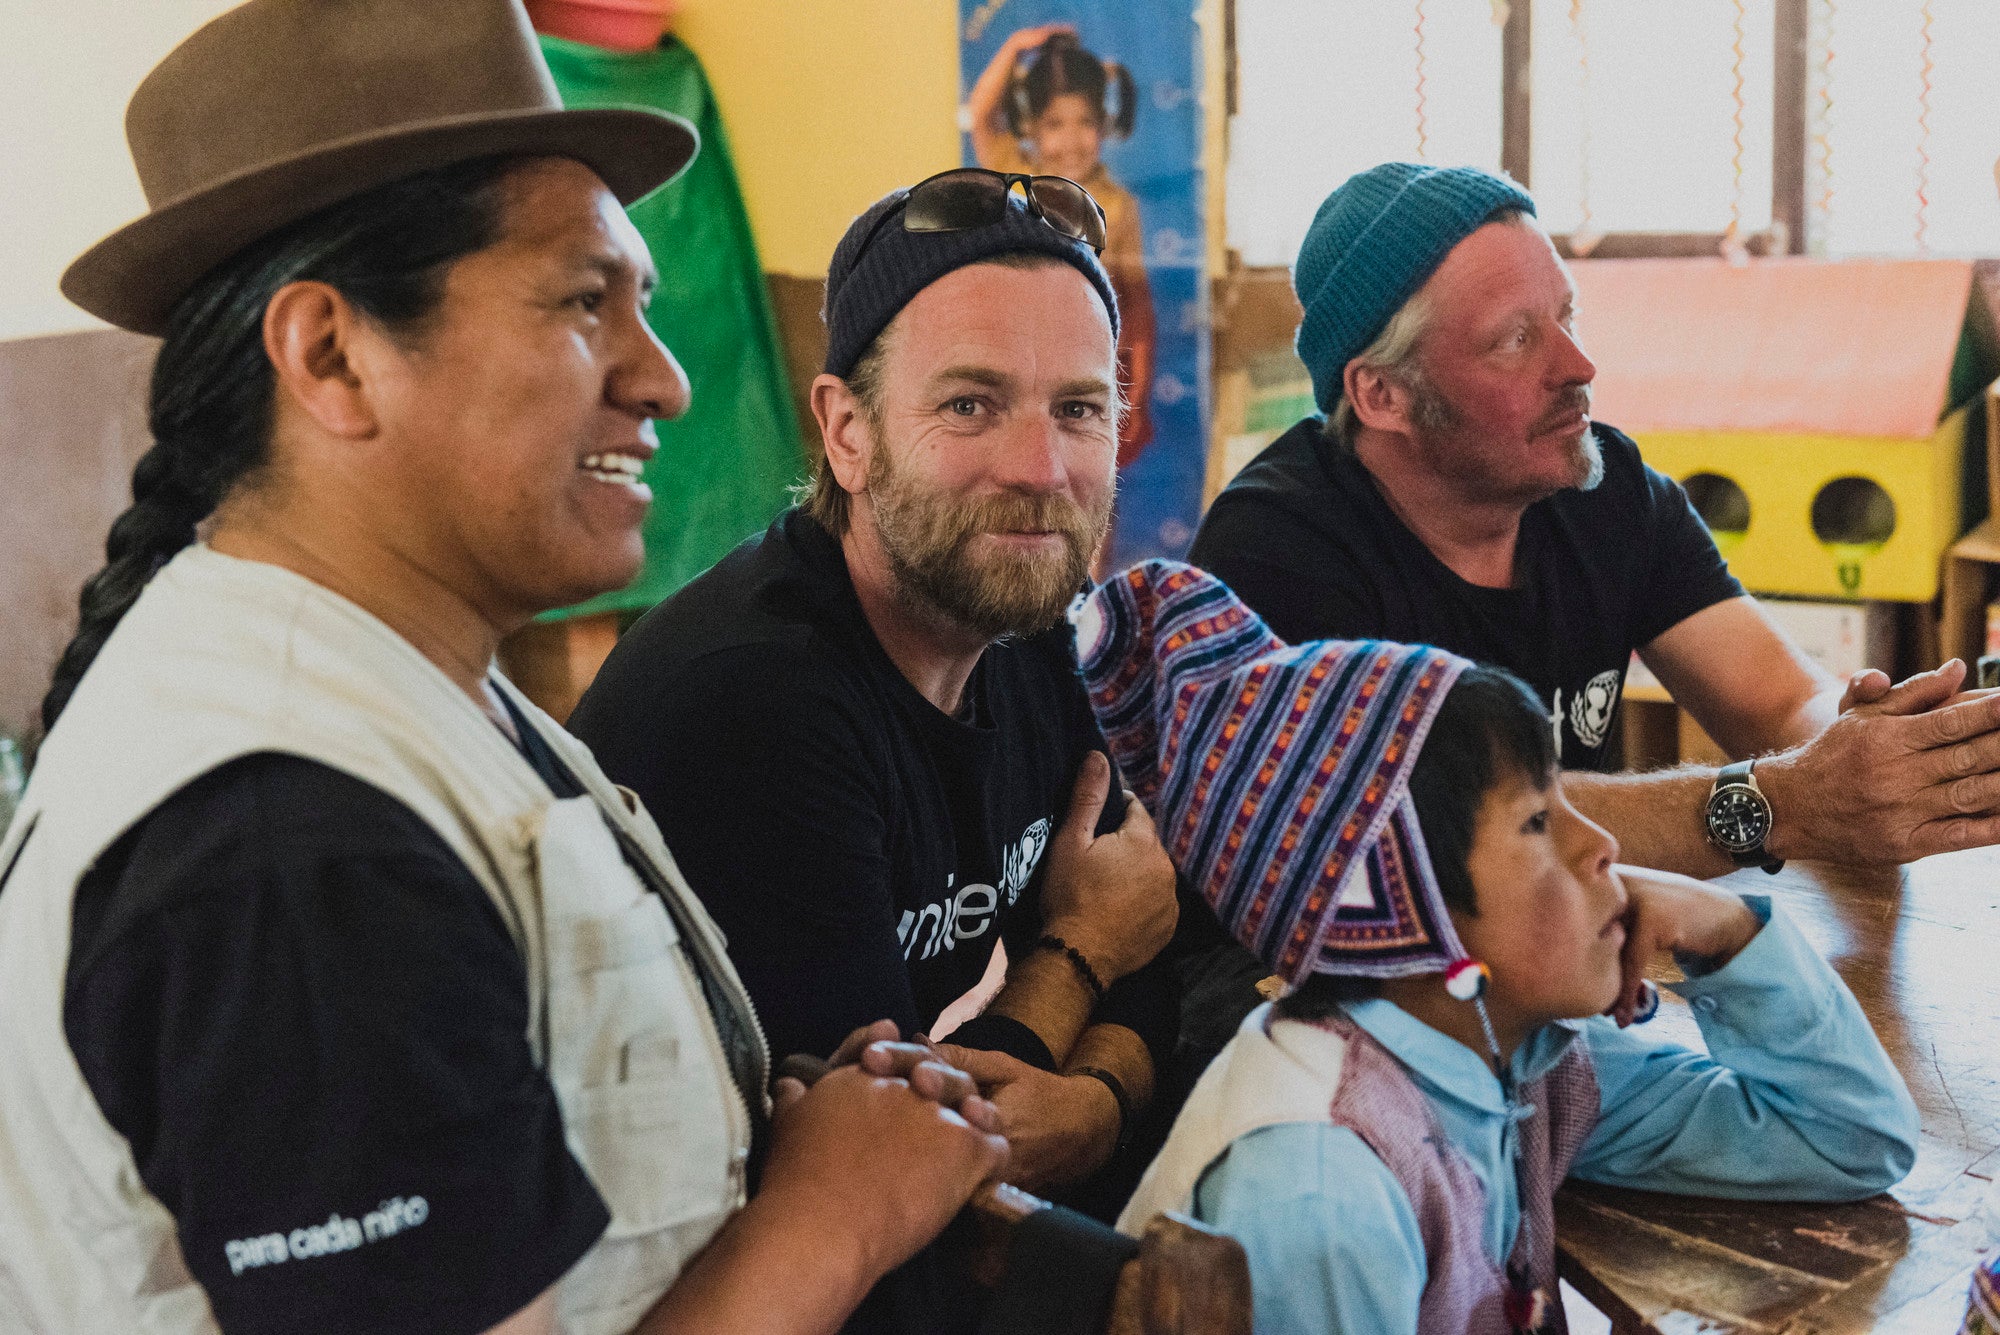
[1106, 95]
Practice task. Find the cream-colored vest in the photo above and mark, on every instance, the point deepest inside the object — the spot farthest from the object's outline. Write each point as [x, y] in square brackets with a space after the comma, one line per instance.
[222, 658]
[1267, 1075]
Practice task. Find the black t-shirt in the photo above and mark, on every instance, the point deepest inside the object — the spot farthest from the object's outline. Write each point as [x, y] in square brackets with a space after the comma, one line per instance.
[1306, 538]
[861, 849]
[309, 1021]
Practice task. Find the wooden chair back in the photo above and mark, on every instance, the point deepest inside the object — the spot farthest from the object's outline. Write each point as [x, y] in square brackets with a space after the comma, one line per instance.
[1188, 1279]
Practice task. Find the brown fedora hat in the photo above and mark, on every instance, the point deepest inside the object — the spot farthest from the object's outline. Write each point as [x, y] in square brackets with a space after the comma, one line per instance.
[279, 108]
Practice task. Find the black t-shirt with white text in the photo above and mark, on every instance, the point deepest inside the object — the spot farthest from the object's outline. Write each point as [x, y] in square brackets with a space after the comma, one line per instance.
[861, 849]
[307, 1018]
[1306, 538]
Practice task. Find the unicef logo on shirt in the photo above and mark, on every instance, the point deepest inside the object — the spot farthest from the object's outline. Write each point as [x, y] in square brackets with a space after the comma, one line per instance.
[967, 912]
[1591, 708]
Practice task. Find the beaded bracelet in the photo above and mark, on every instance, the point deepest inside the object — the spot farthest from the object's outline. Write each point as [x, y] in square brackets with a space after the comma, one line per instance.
[1050, 941]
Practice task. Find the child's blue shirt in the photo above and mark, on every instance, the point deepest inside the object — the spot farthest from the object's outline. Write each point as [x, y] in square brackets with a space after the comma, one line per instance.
[1795, 1099]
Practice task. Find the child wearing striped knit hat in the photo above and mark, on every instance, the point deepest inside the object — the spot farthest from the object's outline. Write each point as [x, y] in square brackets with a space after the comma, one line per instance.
[1385, 826]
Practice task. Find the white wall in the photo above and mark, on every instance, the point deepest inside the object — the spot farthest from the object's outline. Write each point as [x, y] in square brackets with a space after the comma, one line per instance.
[1327, 88]
[67, 68]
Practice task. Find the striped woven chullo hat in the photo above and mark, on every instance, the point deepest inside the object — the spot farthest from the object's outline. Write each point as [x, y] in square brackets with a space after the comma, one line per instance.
[1278, 775]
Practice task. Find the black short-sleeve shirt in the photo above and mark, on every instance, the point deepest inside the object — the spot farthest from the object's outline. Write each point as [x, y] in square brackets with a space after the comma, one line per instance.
[1305, 537]
[309, 1021]
[861, 849]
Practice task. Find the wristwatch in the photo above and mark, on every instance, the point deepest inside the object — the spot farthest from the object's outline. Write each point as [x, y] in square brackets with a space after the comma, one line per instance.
[1739, 817]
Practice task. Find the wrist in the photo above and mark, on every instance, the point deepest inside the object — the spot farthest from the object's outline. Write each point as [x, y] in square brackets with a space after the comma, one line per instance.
[1778, 779]
[1079, 962]
[1119, 1096]
[1104, 1114]
[793, 1229]
[1077, 934]
[1720, 935]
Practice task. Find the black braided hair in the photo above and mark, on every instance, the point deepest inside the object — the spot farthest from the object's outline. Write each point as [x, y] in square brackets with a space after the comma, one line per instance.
[1061, 65]
[210, 405]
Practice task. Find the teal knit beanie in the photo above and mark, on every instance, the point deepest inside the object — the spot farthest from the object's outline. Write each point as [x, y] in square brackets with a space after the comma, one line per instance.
[1372, 245]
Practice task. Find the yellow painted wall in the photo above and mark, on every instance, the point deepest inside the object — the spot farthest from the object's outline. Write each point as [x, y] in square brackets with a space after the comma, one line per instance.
[829, 104]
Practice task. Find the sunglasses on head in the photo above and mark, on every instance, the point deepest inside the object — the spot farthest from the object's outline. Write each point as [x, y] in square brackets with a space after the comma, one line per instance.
[969, 197]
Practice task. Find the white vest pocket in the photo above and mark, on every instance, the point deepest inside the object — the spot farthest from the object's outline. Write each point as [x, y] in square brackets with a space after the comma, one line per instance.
[653, 1165]
[647, 1104]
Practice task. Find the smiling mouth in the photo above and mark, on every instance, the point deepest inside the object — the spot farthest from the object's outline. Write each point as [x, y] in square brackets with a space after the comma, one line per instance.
[618, 469]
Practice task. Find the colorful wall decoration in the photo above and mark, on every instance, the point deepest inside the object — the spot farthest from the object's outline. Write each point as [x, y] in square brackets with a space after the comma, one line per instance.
[1133, 67]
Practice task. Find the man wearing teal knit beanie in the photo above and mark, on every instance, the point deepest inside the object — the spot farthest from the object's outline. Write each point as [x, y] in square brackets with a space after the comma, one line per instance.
[1373, 243]
[1455, 491]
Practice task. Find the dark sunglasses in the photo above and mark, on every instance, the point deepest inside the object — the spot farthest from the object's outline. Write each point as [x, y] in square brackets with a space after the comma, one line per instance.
[969, 197]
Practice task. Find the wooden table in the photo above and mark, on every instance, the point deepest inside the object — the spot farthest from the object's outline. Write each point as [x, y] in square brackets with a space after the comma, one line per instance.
[1921, 949]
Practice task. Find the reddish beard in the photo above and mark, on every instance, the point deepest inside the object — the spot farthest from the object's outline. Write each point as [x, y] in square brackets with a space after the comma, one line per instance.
[930, 540]
[1438, 421]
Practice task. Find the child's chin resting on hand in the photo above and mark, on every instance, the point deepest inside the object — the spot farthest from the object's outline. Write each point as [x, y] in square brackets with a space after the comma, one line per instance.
[1385, 826]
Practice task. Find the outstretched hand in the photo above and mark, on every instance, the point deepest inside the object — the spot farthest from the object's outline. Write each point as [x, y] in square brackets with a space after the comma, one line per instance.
[1904, 771]
[877, 1049]
[1031, 39]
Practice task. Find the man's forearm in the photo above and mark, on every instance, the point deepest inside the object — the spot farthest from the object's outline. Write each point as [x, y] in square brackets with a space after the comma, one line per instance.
[1045, 992]
[1659, 818]
[729, 1284]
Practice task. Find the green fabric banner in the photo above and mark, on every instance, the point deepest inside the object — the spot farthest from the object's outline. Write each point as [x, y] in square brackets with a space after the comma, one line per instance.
[724, 467]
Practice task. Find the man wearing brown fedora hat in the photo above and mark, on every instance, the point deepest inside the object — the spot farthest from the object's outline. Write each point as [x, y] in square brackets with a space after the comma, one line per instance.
[344, 992]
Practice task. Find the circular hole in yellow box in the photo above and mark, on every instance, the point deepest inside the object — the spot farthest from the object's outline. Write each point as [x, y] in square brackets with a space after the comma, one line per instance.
[1853, 517]
[1853, 512]
[1722, 505]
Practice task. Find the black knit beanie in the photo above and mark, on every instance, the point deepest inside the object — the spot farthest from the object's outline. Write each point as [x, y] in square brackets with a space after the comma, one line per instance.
[862, 298]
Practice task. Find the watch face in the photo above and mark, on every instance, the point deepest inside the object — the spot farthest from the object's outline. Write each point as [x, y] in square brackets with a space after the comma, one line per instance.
[1739, 818]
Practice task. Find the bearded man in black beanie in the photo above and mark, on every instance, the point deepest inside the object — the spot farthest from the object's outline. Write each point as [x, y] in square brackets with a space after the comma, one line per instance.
[862, 730]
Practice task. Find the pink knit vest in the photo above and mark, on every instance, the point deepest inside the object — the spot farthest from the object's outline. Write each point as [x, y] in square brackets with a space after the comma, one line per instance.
[1377, 1100]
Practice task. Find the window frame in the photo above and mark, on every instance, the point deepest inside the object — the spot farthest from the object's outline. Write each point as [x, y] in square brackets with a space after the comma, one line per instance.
[1787, 234]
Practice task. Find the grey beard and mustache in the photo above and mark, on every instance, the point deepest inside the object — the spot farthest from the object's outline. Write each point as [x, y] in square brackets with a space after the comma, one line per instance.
[928, 540]
[1436, 416]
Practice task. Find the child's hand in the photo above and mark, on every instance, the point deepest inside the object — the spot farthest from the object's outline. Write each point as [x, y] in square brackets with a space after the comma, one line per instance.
[1666, 911]
[1031, 39]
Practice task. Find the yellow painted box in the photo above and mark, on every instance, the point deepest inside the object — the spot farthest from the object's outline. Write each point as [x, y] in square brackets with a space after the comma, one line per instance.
[1823, 515]
[1817, 411]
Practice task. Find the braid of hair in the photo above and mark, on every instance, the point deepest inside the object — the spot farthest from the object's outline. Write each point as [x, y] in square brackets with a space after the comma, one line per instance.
[207, 432]
[160, 522]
